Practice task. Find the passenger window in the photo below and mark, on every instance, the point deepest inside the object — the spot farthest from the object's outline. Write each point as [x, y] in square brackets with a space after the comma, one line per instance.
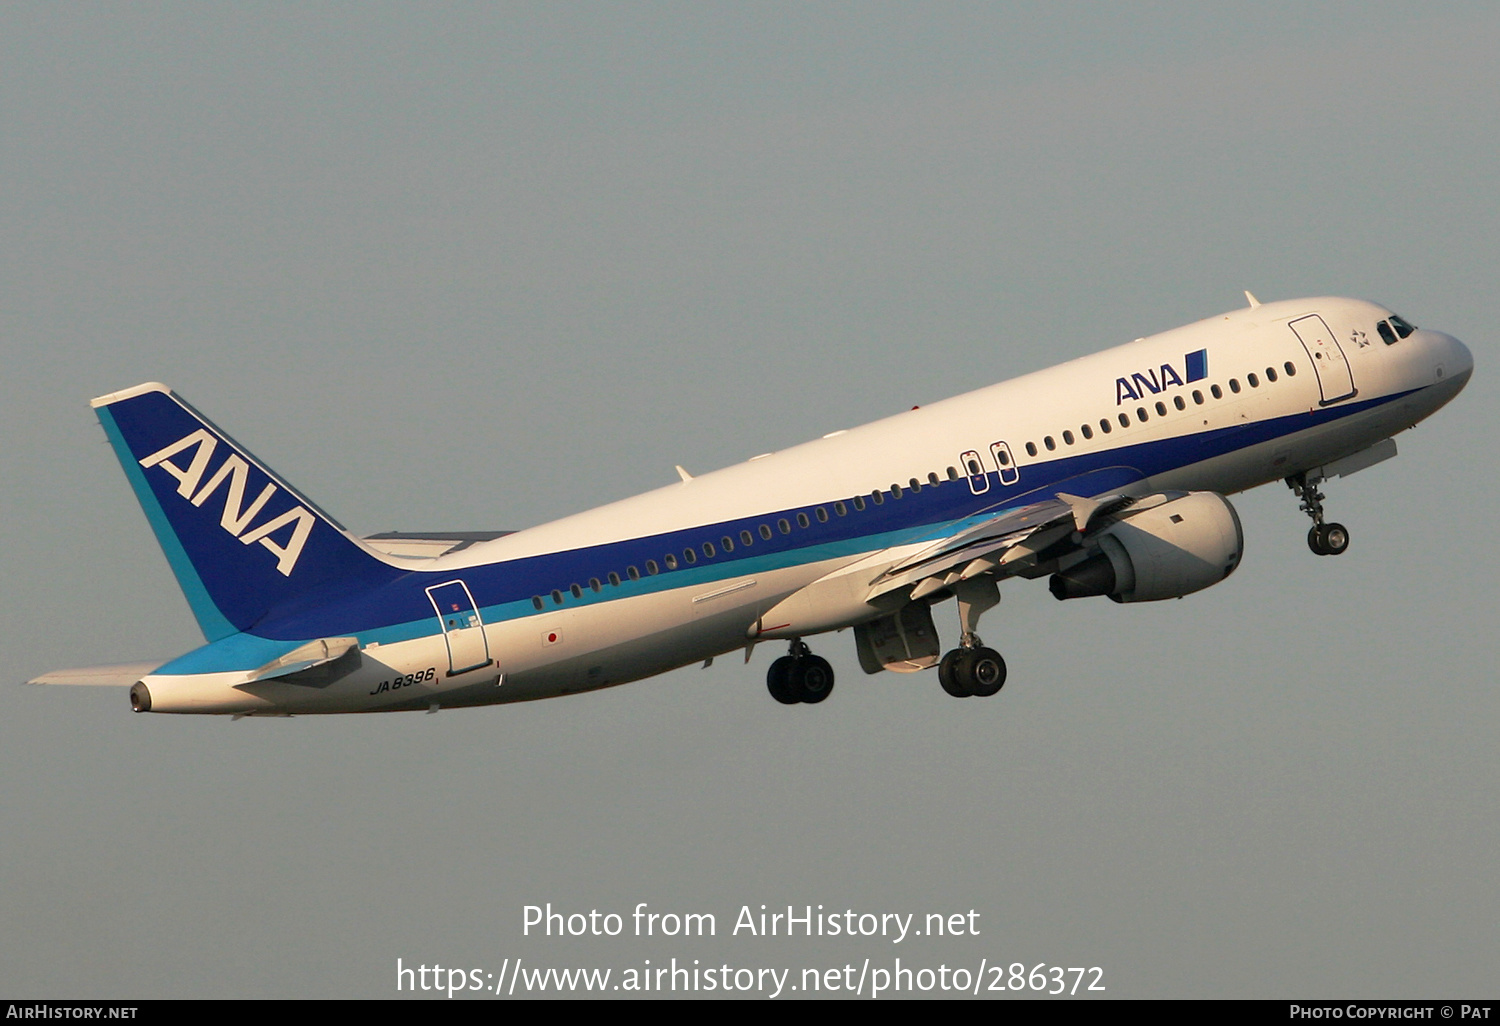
[708, 550]
[1161, 409]
[536, 600]
[1270, 373]
[1197, 397]
[1217, 392]
[859, 503]
[556, 597]
[916, 485]
[1178, 402]
[802, 520]
[840, 508]
[726, 543]
[670, 560]
[1031, 448]
[594, 584]
[651, 567]
[1140, 414]
[895, 491]
[1068, 437]
[614, 578]
[1124, 420]
[1049, 443]
[576, 590]
[1234, 385]
[932, 479]
[1253, 380]
[878, 497]
[1088, 432]
[1291, 370]
[822, 515]
[765, 531]
[952, 473]
[1105, 426]
[633, 573]
[784, 526]
[746, 538]
[691, 555]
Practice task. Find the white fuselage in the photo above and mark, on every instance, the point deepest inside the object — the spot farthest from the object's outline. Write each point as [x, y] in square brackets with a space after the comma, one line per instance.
[1260, 411]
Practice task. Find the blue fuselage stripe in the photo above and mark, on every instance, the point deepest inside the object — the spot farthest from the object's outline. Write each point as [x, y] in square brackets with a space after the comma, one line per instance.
[399, 609]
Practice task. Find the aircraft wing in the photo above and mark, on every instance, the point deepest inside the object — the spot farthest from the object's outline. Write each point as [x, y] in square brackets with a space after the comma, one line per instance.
[1003, 544]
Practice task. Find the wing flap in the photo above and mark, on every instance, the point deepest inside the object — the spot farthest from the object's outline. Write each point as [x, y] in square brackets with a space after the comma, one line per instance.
[983, 543]
[1009, 541]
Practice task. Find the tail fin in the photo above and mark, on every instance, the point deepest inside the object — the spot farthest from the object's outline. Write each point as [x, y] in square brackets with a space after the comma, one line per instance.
[241, 541]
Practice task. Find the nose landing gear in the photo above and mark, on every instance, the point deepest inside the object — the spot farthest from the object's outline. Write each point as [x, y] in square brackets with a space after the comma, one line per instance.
[1323, 539]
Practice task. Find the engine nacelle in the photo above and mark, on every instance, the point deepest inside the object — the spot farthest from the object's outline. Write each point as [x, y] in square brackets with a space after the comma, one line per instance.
[1178, 544]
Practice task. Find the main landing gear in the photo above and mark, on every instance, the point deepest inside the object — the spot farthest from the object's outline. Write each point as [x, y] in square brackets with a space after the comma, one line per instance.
[1323, 539]
[971, 668]
[800, 676]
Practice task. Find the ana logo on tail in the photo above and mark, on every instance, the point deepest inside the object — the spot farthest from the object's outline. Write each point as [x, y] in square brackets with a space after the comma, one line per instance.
[233, 476]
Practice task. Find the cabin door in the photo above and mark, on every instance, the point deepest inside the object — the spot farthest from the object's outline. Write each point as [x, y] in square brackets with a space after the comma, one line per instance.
[462, 627]
[1328, 360]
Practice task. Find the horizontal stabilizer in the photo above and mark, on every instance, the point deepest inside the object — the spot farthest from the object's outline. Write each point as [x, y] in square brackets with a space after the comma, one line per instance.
[305, 657]
[121, 674]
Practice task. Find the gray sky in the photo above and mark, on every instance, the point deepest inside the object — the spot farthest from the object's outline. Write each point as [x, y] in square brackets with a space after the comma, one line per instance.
[477, 266]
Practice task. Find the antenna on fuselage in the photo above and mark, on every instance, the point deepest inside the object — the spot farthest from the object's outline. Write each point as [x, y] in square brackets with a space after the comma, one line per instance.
[1253, 301]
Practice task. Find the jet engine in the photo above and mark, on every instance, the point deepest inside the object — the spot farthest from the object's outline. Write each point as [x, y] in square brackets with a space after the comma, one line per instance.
[1166, 546]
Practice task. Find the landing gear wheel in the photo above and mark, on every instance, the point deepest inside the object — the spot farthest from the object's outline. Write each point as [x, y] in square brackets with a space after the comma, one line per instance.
[779, 681]
[1328, 539]
[952, 672]
[977, 672]
[1335, 538]
[811, 679]
[1315, 540]
[986, 672]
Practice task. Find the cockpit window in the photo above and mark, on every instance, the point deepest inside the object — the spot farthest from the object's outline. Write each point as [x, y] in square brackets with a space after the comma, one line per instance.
[1393, 328]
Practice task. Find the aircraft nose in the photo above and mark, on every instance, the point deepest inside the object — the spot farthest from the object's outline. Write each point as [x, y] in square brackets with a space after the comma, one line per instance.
[1451, 359]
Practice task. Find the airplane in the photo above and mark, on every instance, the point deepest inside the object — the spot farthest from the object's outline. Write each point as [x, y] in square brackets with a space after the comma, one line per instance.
[1107, 475]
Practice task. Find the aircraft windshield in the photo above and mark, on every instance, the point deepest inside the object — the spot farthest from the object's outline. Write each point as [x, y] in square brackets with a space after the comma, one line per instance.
[1394, 329]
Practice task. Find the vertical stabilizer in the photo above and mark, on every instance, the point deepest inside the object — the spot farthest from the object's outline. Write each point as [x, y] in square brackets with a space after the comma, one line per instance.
[241, 541]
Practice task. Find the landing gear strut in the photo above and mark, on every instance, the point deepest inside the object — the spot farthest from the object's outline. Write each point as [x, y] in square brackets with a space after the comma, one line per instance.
[799, 676]
[971, 668]
[1323, 539]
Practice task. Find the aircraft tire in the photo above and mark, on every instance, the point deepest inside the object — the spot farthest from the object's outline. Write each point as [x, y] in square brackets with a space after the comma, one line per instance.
[952, 675]
[811, 679]
[779, 681]
[986, 672]
[1335, 539]
[1315, 540]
